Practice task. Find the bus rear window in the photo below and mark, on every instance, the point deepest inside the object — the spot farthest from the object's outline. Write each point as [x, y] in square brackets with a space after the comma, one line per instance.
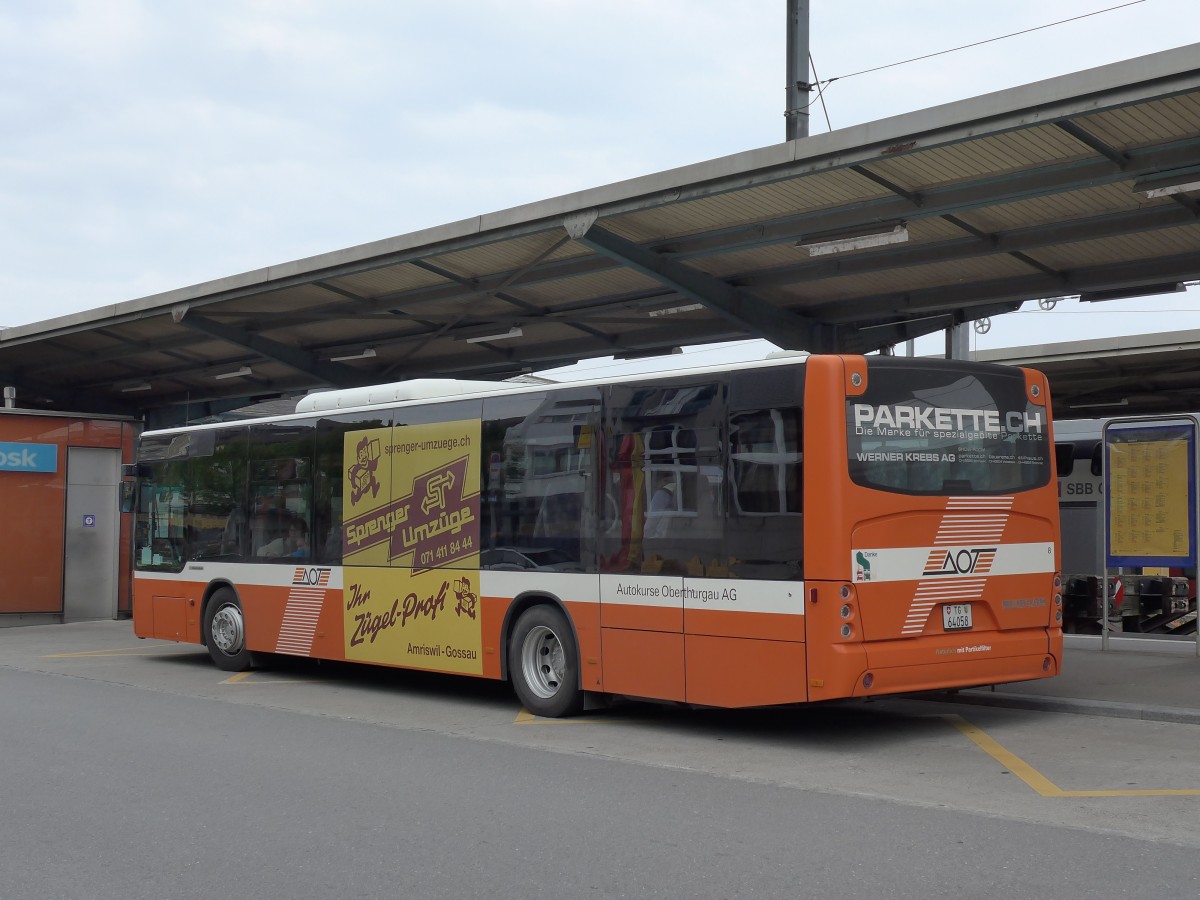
[944, 430]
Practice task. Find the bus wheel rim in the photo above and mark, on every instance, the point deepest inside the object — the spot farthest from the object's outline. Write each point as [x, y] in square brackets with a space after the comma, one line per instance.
[543, 662]
[228, 632]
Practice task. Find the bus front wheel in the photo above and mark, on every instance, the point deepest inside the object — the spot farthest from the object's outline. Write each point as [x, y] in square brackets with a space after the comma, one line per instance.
[225, 632]
[544, 661]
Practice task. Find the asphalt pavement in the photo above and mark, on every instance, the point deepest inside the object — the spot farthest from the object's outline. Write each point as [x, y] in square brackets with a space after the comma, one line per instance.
[1136, 678]
[1157, 684]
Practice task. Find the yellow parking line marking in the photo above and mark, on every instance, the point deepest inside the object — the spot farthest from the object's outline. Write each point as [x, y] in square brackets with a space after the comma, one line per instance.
[116, 651]
[1006, 758]
[1035, 779]
[525, 717]
[248, 678]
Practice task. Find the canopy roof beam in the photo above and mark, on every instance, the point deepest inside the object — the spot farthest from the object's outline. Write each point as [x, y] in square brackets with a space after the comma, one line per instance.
[302, 361]
[737, 305]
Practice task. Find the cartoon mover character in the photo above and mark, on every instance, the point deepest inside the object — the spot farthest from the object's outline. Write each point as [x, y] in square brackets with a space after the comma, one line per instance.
[362, 473]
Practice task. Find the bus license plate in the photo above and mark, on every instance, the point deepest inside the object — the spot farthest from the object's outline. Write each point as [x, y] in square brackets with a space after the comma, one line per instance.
[956, 616]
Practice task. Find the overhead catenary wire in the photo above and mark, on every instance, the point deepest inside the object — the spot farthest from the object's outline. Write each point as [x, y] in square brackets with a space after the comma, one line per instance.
[820, 91]
[980, 43]
[821, 84]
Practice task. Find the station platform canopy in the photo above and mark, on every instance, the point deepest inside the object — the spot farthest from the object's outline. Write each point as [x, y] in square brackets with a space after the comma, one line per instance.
[1133, 375]
[852, 241]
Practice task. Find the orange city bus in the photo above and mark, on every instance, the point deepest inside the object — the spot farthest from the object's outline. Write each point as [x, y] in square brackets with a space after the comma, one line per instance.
[801, 529]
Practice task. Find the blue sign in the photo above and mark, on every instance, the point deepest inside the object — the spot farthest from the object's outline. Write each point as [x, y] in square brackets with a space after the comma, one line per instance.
[89, 521]
[28, 457]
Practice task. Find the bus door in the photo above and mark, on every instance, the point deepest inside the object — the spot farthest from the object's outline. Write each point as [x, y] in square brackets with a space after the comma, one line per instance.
[538, 511]
[663, 478]
[744, 602]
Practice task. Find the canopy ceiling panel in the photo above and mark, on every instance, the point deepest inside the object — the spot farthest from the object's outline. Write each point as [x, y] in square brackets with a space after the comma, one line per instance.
[1146, 124]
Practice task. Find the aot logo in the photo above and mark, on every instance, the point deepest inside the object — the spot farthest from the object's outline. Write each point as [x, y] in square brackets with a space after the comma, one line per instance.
[28, 457]
[313, 577]
[963, 561]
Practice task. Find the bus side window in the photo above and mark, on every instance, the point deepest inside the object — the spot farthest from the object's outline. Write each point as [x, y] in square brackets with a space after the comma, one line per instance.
[538, 467]
[764, 533]
[281, 488]
[765, 453]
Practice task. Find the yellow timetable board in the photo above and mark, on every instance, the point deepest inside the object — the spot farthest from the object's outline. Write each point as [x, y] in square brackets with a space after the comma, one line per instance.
[1151, 496]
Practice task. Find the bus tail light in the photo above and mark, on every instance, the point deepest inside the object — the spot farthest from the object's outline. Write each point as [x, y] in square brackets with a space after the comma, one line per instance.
[846, 592]
[868, 680]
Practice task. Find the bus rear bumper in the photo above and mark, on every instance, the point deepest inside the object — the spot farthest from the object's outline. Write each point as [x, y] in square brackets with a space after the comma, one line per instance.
[937, 662]
[948, 676]
[903, 666]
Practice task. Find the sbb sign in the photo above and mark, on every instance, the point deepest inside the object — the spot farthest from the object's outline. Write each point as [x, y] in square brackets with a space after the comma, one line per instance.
[28, 457]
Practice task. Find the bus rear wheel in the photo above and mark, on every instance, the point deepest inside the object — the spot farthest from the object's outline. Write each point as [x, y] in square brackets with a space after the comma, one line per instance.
[544, 661]
[225, 632]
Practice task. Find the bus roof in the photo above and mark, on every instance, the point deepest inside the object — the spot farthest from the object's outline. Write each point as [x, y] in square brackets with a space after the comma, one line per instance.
[435, 390]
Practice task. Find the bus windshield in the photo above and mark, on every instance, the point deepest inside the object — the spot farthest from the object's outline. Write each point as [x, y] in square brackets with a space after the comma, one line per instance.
[943, 429]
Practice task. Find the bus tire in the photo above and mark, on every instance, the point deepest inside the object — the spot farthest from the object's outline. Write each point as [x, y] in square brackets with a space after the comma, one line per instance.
[225, 632]
[543, 662]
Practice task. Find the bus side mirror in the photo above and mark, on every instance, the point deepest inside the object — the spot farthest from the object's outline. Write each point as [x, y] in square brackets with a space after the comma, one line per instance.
[127, 492]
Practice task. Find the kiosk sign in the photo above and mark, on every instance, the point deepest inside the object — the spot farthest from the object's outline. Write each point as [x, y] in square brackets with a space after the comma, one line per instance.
[28, 457]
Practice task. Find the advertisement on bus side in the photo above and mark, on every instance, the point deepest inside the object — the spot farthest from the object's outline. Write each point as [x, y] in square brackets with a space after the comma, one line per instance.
[410, 543]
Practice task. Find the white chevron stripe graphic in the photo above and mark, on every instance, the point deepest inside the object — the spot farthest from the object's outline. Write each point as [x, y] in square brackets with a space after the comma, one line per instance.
[931, 593]
[967, 520]
[300, 621]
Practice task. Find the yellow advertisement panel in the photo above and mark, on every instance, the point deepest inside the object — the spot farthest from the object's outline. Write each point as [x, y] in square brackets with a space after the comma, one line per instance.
[427, 619]
[1150, 505]
[410, 542]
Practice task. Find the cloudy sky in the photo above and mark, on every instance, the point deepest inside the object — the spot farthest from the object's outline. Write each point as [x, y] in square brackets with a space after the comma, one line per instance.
[152, 144]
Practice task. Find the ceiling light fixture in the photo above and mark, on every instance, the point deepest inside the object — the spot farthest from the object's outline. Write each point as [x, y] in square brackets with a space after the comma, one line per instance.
[238, 373]
[1173, 189]
[514, 332]
[137, 386]
[369, 353]
[897, 235]
[675, 310]
[1130, 293]
[1168, 183]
